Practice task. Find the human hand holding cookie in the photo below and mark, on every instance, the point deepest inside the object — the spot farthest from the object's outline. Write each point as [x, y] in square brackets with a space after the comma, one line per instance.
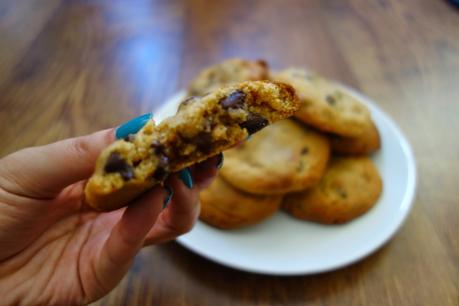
[54, 248]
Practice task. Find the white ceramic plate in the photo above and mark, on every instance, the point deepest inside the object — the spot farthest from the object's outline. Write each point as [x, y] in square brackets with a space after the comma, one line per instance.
[285, 246]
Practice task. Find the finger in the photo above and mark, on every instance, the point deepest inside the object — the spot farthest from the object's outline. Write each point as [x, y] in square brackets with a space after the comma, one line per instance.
[127, 237]
[179, 216]
[43, 171]
[204, 172]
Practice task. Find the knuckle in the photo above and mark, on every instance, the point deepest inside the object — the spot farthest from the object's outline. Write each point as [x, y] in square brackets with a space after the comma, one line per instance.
[80, 146]
[90, 145]
[180, 228]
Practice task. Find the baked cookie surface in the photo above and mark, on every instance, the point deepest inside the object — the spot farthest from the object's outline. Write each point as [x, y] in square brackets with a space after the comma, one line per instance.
[226, 207]
[228, 72]
[324, 105]
[204, 127]
[366, 143]
[286, 156]
[350, 187]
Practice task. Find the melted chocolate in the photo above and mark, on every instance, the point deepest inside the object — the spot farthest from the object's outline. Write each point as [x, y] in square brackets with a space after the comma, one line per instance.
[162, 168]
[234, 100]
[117, 164]
[158, 148]
[254, 123]
[204, 142]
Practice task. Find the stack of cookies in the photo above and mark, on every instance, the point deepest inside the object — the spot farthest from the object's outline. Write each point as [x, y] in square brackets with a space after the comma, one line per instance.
[315, 166]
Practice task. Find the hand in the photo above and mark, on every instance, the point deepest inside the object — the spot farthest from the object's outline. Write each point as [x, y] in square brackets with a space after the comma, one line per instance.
[53, 248]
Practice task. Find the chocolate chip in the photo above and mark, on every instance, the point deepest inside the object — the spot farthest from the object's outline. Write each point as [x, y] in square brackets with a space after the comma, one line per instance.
[304, 151]
[254, 123]
[158, 148]
[203, 142]
[234, 100]
[330, 100]
[160, 174]
[162, 168]
[116, 163]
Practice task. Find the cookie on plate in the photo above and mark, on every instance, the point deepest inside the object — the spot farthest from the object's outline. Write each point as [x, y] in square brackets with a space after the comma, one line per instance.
[230, 71]
[366, 143]
[349, 188]
[286, 156]
[324, 105]
[205, 127]
[227, 207]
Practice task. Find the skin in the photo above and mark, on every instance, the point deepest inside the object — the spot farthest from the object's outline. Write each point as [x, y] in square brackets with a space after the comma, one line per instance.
[54, 249]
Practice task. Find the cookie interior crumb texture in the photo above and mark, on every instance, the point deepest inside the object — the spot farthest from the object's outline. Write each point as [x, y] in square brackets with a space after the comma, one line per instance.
[203, 127]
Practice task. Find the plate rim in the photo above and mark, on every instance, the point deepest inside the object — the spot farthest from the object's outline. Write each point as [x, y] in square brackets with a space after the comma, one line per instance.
[406, 202]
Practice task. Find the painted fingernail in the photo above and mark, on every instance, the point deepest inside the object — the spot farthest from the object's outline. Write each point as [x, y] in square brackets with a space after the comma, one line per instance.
[132, 126]
[168, 197]
[185, 176]
[248, 137]
[220, 161]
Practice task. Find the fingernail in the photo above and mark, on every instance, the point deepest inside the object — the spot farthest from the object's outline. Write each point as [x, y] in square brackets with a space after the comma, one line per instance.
[220, 161]
[168, 197]
[132, 126]
[248, 137]
[187, 179]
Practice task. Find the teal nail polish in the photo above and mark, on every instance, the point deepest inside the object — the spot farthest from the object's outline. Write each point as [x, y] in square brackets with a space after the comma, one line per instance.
[220, 161]
[248, 137]
[132, 126]
[168, 197]
[186, 178]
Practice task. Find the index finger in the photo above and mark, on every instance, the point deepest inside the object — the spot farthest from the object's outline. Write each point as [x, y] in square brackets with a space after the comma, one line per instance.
[44, 171]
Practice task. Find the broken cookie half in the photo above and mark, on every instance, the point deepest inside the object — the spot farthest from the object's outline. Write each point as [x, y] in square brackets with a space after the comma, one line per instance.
[203, 127]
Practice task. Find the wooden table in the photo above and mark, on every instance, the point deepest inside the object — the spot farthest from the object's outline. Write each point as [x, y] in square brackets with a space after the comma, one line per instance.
[71, 67]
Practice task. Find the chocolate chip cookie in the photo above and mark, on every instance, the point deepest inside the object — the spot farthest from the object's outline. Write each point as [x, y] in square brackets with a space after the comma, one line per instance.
[228, 72]
[227, 207]
[286, 156]
[203, 128]
[350, 187]
[324, 105]
[366, 143]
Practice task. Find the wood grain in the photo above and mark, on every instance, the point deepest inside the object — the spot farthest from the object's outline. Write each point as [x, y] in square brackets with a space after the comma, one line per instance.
[71, 67]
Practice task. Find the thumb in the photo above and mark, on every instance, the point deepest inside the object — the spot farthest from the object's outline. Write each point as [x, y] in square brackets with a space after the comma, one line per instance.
[44, 171]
